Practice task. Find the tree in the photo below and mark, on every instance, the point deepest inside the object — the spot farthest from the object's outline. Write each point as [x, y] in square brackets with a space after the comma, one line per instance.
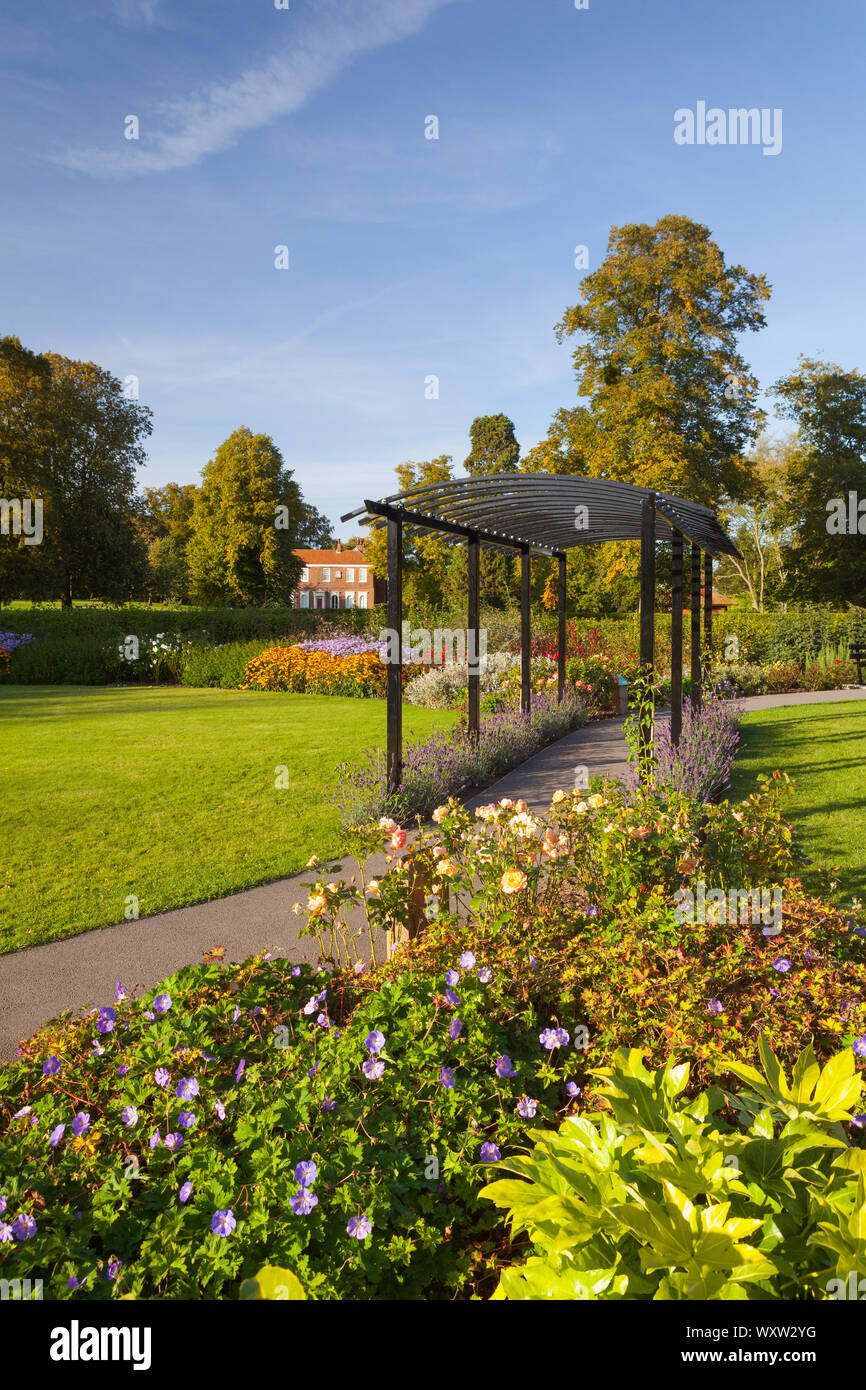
[757, 527]
[165, 524]
[245, 522]
[69, 437]
[425, 557]
[316, 532]
[494, 446]
[671, 403]
[826, 556]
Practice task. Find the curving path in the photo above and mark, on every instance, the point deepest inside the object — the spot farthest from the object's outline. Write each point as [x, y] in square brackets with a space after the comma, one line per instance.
[39, 983]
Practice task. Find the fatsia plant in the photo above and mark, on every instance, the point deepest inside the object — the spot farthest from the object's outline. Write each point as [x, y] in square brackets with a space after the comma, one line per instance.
[659, 1197]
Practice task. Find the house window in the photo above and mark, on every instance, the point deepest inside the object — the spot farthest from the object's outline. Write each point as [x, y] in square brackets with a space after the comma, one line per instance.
[305, 575]
[350, 600]
[338, 574]
[335, 600]
[305, 599]
[326, 575]
[362, 600]
[350, 575]
[362, 576]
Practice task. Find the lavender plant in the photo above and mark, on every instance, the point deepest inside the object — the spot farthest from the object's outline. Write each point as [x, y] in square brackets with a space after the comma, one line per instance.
[700, 765]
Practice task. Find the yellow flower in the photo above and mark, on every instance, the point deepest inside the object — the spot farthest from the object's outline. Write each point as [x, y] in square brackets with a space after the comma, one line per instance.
[596, 801]
[581, 808]
[513, 881]
[558, 796]
[316, 902]
[446, 867]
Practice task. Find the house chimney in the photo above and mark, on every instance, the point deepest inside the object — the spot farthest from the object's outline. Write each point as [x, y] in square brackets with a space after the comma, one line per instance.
[339, 546]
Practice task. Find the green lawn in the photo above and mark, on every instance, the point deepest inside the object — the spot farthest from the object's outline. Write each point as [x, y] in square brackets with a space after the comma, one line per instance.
[823, 747]
[166, 794]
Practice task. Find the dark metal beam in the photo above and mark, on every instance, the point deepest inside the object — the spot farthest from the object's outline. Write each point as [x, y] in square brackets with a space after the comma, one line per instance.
[647, 612]
[525, 633]
[695, 698]
[708, 614]
[410, 518]
[473, 634]
[561, 631]
[676, 636]
[394, 676]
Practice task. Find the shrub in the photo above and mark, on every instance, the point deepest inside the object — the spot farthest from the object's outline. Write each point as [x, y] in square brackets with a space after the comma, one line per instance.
[446, 686]
[700, 764]
[223, 666]
[662, 1199]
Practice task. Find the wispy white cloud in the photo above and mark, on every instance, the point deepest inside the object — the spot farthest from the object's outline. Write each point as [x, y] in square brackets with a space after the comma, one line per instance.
[138, 14]
[317, 49]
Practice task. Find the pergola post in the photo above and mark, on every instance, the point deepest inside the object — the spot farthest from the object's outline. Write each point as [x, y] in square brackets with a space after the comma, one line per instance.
[473, 635]
[647, 612]
[708, 612]
[676, 636]
[525, 634]
[695, 700]
[394, 677]
[561, 635]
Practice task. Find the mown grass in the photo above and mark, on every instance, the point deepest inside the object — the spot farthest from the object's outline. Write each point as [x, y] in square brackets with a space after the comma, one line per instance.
[164, 794]
[823, 748]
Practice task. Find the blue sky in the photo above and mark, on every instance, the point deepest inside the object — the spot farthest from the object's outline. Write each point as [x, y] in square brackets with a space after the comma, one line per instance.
[409, 257]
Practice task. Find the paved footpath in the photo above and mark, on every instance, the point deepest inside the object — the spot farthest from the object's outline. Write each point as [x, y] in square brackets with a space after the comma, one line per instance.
[38, 983]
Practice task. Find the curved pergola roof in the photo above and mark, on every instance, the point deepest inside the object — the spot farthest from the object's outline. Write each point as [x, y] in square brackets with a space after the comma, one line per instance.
[513, 511]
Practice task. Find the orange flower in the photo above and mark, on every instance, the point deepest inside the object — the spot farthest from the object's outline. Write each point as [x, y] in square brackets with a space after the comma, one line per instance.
[513, 881]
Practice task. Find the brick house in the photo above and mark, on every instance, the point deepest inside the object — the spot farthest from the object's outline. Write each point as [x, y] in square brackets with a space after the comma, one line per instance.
[336, 579]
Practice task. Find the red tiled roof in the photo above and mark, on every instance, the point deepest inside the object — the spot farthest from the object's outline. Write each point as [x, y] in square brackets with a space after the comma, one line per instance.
[330, 557]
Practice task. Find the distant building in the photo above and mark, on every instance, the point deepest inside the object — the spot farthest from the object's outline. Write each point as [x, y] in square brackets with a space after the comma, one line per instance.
[336, 579]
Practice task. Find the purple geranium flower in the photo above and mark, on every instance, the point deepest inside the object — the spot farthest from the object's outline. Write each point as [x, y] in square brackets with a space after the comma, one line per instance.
[187, 1089]
[6, 1235]
[783, 965]
[119, 992]
[223, 1222]
[505, 1067]
[452, 977]
[186, 1119]
[329, 1104]
[154, 1139]
[451, 998]
[715, 1006]
[185, 1192]
[572, 1089]
[161, 1076]
[490, 1153]
[219, 1109]
[526, 1108]
[113, 1267]
[52, 1066]
[129, 1116]
[485, 974]
[121, 1071]
[173, 1142]
[446, 1078]
[306, 1172]
[105, 1025]
[240, 1069]
[859, 1046]
[359, 1226]
[375, 1041]
[24, 1227]
[81, 1123]
[303, 1202]
[56, 1135]
[162, 1004]
[373, 1068]
[455, 1027]
[553, 1037]
[467, 960]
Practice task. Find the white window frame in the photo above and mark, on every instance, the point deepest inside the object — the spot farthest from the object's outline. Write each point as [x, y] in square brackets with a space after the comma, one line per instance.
[350, 600]
[305, 575]
[326, 574]
[305, 599]
[350, 575]
[362, 576]
[362, 600]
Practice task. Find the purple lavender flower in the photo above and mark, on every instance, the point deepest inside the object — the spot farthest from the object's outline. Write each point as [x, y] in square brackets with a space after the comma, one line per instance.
[490, 1153]
[359, 1227]
[24, 1227]
[373, 1068]
[185, 1192]
[52, 1066]
[375, 1041]
[81, 1123]
[162, 1004]
[303, 1202]
[526, 1108]
[129, 1116]
[455, 1027]
[56, 1135]
[505, 1067]
[161, 1076]
[223, 1222]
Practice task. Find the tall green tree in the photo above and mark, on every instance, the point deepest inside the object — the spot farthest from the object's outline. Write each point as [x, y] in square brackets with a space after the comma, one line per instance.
[826, 559]
[494, 447]
[70, 438]
[165, 523]
[248, 513]
[671, 403]
[425, 558]
[316, 531]
[758, 527]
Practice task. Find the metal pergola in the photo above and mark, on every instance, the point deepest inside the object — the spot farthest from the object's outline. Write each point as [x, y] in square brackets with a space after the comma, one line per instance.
[547, 514]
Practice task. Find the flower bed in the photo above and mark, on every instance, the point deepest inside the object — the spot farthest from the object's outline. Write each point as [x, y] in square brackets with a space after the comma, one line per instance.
[340, 1124]
[317, 672]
